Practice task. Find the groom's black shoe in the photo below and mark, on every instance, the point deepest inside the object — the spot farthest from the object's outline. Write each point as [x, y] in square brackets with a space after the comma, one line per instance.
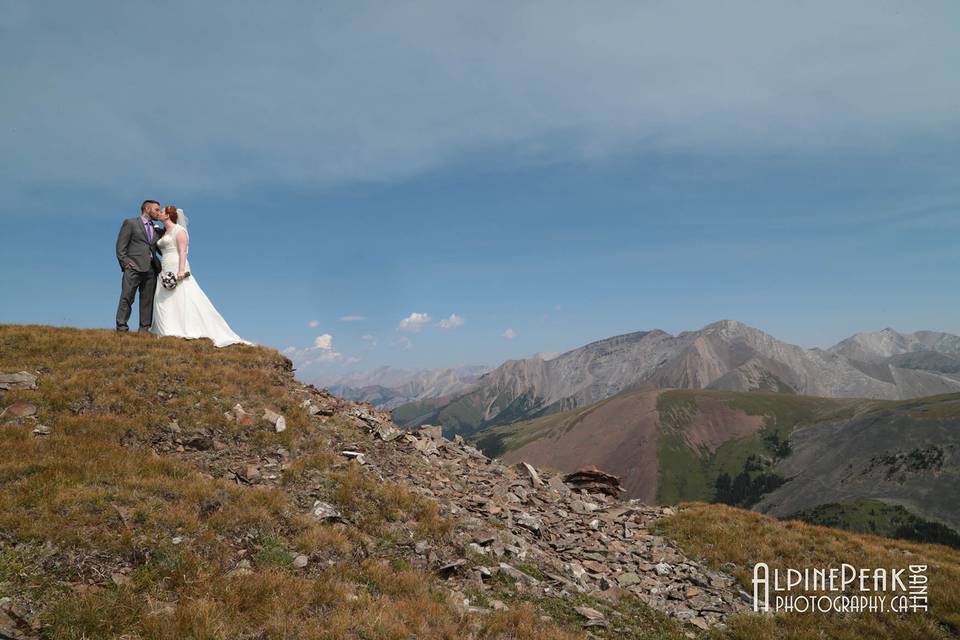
[123, 329]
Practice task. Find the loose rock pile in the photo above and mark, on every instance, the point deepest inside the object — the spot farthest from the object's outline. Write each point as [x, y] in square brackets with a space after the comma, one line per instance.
[546, 533]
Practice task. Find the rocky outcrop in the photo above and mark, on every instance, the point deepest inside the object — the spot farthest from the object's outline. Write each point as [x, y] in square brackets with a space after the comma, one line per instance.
[548, 533]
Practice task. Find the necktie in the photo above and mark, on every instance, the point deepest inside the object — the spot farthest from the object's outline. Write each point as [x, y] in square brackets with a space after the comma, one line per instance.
[149, 231]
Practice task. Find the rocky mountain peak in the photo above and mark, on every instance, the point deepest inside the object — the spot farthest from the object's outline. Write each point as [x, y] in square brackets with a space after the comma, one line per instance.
[879, 345]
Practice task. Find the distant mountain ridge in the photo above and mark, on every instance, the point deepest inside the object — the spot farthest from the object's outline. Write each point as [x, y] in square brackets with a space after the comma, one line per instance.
[881, 345]
[727, 355]
[388, 387]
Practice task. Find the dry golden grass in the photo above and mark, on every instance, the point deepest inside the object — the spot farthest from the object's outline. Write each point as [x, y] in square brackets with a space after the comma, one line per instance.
[93, 498]
[722, 534]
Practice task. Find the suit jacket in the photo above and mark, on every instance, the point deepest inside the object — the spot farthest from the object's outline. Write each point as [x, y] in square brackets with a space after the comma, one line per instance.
[133, 246]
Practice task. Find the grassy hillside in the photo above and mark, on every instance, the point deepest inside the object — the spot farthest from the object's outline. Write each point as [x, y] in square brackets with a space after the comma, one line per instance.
[460, 416]
[745, 463]
[102, 537]
[737, 539]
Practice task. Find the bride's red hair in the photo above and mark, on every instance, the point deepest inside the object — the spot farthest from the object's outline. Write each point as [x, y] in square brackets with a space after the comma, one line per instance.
[172, 212]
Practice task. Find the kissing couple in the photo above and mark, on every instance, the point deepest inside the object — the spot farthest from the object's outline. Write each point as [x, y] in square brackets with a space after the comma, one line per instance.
[171, 301]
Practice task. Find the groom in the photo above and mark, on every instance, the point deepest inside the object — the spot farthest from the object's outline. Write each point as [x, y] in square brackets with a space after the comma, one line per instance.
[137, 255]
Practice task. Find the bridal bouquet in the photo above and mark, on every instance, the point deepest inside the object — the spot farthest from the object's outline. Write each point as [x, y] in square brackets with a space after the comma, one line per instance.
[169, 279]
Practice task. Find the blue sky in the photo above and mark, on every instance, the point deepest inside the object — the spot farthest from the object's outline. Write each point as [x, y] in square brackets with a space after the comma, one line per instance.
[562, 173]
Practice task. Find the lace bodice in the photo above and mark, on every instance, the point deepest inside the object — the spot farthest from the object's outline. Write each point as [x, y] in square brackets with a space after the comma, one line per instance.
[169, 253]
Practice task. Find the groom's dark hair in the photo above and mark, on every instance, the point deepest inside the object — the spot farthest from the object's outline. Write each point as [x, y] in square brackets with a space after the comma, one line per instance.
[143, 205]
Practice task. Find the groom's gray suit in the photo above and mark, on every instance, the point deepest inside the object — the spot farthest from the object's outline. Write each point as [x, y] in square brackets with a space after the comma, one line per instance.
[137, 255]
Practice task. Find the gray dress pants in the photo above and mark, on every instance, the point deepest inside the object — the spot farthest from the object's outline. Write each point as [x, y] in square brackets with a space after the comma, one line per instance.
[146, 283]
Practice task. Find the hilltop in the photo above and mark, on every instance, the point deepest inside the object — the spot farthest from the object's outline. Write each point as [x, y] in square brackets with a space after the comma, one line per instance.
[158, 488]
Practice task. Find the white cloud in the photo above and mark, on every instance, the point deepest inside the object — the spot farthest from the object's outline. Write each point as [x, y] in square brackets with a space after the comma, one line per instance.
[313, 324]
[452, 322]
[370, 340]
[352, 318]
[509, 334]
[414, 322]
[324, 342]
[321, 351]
[403, 342]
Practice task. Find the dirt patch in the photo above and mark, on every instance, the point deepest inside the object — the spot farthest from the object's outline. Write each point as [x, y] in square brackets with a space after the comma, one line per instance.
[716, 422]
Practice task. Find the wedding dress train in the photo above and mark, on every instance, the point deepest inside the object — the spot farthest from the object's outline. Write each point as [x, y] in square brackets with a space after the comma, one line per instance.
[185, 310]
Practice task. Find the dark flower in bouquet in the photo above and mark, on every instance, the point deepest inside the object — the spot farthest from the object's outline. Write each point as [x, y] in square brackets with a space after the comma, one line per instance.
[169, 279]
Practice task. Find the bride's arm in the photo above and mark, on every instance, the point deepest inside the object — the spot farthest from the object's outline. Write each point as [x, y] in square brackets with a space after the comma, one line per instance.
[182, 243]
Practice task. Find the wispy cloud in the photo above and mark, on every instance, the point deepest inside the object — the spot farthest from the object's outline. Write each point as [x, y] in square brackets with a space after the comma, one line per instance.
[352, 318]
[329, 356]
[414, 322]
[313, 324]
[453, 322]
[546, 81]
[509, 334]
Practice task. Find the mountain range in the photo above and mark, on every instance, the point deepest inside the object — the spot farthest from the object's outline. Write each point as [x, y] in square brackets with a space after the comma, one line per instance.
[725, 355]
[388, 387]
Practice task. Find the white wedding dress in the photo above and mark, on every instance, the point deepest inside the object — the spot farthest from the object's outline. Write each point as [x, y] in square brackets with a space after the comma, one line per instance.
[185, 311]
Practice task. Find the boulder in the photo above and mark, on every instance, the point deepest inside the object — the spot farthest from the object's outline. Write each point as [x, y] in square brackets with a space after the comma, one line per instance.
[19, 409]
[17, 381]
[325, 511]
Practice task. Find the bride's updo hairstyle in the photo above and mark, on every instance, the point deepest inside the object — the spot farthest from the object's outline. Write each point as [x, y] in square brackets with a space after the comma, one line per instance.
[172, 212]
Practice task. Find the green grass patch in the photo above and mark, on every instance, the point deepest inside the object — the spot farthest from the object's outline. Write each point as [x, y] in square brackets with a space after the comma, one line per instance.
[879, 518]
[743, 465]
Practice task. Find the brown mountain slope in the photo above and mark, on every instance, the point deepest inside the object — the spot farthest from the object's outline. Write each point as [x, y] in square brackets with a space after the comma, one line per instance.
[618, 434]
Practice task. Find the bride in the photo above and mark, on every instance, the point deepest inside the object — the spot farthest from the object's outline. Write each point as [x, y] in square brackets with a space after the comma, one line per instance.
[185, 311]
